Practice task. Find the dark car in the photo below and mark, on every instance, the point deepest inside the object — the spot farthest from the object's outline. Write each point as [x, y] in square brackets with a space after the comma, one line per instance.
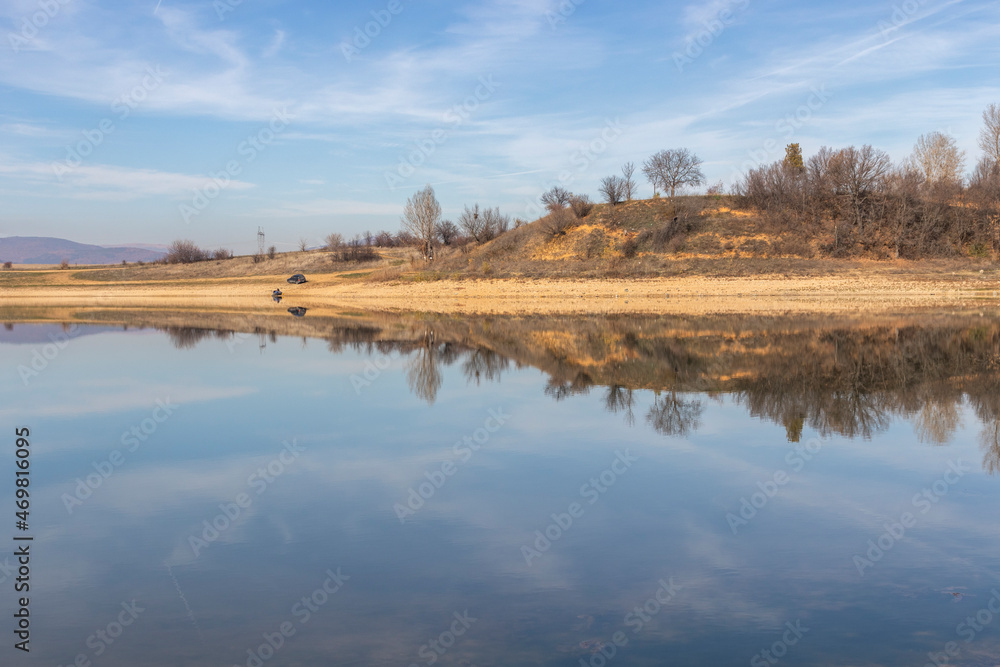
[297, 279]
[297, 311]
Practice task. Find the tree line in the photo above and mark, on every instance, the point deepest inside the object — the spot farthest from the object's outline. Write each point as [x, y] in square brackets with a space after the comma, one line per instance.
[923, 206]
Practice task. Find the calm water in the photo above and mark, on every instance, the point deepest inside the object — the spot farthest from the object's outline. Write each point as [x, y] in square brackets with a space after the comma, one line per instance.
[507, 492]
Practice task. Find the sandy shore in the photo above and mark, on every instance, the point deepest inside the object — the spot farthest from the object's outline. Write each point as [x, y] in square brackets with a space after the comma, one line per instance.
[872, 292]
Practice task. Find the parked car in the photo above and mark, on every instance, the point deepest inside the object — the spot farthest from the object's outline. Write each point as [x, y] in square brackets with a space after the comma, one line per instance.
[297, 279]
[297, 311]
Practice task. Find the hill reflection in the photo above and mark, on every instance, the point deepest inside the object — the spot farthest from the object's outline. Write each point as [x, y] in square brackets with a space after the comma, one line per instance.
[841, 375]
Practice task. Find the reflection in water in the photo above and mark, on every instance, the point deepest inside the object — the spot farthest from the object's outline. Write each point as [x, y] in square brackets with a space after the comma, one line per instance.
[848, 378]
[673, 415]
[730, 388]
[423, 370]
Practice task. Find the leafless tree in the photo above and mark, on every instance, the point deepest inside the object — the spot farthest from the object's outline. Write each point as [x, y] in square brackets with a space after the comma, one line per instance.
[334, 242]
[496, 223]
[938, 157]
[903, 187]
[483, 225]
[556, 198]
[859, 173]
[989, 136]
[303, 244]
[183, 251]
[673, 169]
[420, 217]
[613, 189]
[628, 171]
[473, 223]
[448, 231]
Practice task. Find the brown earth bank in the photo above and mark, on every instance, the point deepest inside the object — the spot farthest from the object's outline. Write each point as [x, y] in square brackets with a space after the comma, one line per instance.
[822, 286]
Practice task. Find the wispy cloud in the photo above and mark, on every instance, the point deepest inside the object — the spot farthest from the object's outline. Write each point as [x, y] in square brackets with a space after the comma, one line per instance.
[104, 182]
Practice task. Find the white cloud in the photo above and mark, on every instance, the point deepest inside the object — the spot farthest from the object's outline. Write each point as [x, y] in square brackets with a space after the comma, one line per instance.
[107, 182]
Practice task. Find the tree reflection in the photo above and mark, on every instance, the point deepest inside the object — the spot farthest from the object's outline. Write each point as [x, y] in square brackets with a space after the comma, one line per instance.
[484, 364]
[852, 380]
[672, 415]
[423, 371]
[620, 399]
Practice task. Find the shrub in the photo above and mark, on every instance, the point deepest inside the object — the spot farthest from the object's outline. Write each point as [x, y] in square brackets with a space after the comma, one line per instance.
[64, 264]
[977, 250]
[357, 250]
[557, 222]
[271, 252]
[8, 265]
[222, 253]
[630, 248]
[581, 205]
[183, 251]
[614, 189]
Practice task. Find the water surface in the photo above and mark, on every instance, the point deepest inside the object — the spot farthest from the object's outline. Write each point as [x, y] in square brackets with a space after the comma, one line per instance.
[507, 491]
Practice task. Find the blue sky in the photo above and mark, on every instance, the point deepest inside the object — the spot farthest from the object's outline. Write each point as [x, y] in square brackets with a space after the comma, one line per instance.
[144, 122]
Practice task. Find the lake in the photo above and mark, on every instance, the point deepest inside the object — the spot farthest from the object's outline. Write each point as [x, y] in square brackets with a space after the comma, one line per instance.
[354, 489]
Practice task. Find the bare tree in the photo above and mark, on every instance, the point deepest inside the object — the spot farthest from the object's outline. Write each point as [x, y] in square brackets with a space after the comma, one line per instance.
[483, 225]
[989, 136]
[473, 223]
[938, 157]
[673, 169]
[334, 242]
[859, 173]
[303, 244]
[448, 231]
[556, 198]
[613, 189]
[628, 170]
[495, 223]
[183, 251]
[420, 217]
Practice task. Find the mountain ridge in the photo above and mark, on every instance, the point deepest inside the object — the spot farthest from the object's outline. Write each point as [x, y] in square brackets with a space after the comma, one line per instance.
[51, 250]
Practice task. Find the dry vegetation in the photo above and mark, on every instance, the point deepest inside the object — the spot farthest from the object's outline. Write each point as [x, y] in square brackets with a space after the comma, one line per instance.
[694, 235]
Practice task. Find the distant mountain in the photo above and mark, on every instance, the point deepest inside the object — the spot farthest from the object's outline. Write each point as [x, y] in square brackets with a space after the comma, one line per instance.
[46, 250]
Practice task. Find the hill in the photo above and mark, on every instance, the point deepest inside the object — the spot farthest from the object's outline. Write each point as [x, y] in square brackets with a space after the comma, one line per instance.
[689, 235]
[48, 250]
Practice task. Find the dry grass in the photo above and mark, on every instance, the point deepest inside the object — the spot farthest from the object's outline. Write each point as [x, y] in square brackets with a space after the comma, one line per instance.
[309, 262]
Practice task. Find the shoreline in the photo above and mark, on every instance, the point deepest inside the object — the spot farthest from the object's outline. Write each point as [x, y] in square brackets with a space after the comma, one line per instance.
[866, 292]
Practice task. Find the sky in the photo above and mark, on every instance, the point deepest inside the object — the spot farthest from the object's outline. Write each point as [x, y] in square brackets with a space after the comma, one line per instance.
[150, 121]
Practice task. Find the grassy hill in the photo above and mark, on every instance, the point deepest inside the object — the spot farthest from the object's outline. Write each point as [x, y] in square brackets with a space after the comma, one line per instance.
[658, 237]
[690, 236]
